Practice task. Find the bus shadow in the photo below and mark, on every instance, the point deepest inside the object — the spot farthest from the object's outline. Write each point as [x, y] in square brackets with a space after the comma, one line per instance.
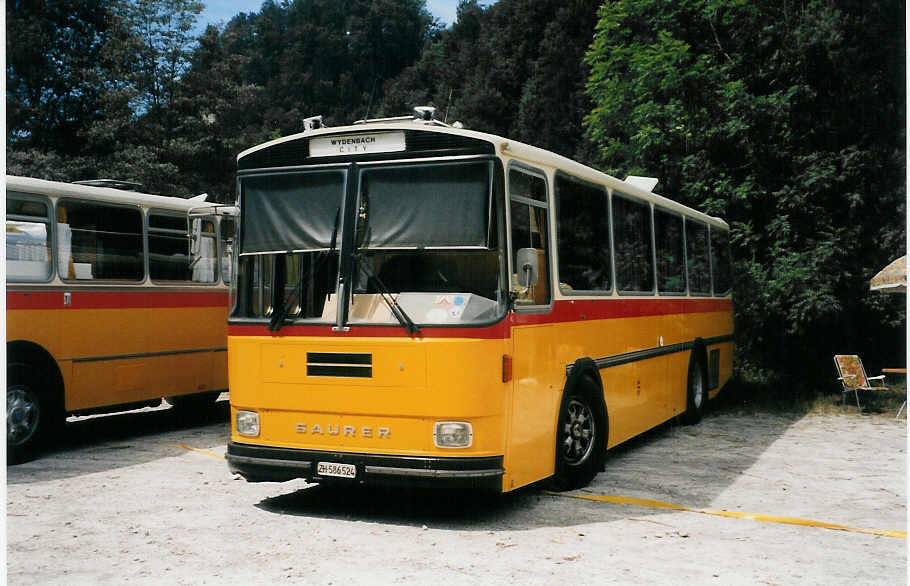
[688, 466]
[106, 442]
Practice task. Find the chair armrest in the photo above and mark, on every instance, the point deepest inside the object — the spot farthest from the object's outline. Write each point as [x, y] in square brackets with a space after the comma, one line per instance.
[879, 377]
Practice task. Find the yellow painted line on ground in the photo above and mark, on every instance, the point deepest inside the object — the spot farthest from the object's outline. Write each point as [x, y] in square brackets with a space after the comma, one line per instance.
[628, 500]
[192, 449]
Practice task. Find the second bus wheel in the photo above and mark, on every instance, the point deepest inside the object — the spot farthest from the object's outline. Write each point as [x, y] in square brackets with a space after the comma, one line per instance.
[696, 388]
[30, 415]
[580, 439]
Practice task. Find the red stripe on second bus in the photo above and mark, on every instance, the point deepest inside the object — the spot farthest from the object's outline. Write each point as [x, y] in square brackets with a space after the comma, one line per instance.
[139, 299]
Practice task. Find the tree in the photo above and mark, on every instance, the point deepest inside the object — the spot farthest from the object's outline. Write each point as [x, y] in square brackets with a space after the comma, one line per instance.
[55, 64]
[782, 118]
[515, 68]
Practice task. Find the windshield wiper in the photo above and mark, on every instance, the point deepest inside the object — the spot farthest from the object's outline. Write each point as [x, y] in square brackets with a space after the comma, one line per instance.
[406, 322]
[279, 316]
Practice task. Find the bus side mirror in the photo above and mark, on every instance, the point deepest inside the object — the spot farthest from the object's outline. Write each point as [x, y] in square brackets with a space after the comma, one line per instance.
[527, 267]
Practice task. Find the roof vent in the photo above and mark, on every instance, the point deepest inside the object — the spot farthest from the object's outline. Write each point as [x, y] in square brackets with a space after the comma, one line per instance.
[646, 183]
[424, 113]
[313, 123]
[111, 183]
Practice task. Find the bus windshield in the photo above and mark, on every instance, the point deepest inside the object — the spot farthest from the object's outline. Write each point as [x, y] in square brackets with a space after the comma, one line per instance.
[422, 236]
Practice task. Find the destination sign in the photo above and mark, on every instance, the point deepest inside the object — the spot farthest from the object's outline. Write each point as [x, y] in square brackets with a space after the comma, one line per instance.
[357, 144]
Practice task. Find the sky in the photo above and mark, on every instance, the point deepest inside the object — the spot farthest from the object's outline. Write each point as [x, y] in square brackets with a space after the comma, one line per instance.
[221, 11]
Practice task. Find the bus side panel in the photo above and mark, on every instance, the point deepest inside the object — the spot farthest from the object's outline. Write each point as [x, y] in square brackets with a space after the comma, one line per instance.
[39, 326]
[637, 393]
[127, 355]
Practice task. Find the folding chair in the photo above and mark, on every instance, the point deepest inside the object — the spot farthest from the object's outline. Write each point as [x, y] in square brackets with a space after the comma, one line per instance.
[852, 377]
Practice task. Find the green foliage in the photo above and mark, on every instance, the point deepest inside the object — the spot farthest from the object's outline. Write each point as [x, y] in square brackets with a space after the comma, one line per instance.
[785, 118]
[515, 69]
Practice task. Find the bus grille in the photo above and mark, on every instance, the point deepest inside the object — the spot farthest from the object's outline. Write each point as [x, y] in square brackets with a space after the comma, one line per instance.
[340, 364]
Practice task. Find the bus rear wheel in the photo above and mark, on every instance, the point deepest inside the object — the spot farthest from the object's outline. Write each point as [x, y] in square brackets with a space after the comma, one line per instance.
[29, 415]
[579, 440]
[696, 390]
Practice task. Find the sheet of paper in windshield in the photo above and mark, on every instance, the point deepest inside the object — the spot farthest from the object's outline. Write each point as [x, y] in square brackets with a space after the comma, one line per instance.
[357, 144]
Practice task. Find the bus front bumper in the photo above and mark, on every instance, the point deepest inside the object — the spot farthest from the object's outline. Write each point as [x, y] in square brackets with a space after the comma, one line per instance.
[270, 464]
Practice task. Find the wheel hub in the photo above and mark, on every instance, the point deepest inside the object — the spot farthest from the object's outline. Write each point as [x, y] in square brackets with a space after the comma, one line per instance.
[579, 433]
[22, 413]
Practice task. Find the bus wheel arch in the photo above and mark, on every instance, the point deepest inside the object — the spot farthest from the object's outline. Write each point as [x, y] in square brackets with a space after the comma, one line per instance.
[35, 403]
[582, 428]
[696, 384]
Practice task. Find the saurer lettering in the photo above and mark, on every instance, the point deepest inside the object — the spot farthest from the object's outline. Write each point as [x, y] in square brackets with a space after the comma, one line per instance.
[346, 430]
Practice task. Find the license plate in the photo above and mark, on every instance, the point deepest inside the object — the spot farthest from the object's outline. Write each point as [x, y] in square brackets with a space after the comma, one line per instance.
[336, 469]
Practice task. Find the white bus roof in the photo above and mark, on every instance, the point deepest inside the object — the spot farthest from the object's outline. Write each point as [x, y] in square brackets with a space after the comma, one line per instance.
[105, 194]
[506, 148]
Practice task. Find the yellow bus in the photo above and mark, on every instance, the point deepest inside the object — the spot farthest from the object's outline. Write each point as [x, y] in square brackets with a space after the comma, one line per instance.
[111, 304]
[422, 304]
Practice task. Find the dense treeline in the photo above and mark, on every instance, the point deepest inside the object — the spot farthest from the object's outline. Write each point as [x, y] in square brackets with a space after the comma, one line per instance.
[786, 118]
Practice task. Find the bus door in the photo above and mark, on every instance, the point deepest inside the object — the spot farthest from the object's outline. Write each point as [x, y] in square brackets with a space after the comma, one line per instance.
[536, 382]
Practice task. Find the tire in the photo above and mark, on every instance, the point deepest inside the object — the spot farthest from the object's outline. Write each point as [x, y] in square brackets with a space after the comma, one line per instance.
[696, 389]
[580, 439]
[31, 413]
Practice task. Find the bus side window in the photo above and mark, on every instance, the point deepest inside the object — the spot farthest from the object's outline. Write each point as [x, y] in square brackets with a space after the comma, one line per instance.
[721, 267]
[697, 263]
[528, 207]
[632, 245]
[28, 242]
[174, 255]
[99, 241]
[671, 267]
[228, 227]
[583, 236]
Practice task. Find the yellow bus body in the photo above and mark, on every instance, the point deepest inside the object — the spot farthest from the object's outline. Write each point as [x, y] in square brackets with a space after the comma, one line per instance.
[111, 356]
[419, 381]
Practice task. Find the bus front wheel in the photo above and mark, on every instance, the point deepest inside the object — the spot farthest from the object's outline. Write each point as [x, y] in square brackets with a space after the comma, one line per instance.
[580, 441]
[29, 414]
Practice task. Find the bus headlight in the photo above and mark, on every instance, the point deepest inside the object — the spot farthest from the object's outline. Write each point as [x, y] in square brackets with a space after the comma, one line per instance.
[453, 434]
[247, 423]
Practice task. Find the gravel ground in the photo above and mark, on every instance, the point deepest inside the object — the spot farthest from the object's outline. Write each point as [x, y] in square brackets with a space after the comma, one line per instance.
[147, 498]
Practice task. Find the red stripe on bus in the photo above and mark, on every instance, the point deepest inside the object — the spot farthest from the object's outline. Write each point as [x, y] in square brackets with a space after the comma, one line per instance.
[588, 309]
[140, 299]
[497, 331]
[562, 312]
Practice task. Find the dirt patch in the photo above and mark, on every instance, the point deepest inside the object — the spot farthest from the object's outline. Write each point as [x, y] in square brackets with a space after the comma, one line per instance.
[147, 498]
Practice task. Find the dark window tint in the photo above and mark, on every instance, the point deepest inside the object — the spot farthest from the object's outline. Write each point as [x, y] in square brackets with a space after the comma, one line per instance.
[632, 243]
[167, 222]
[584, 236]
[671, 267]
[720, 261]
[98, 241]
[26, 207]
[698, 267]
[526, 185]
